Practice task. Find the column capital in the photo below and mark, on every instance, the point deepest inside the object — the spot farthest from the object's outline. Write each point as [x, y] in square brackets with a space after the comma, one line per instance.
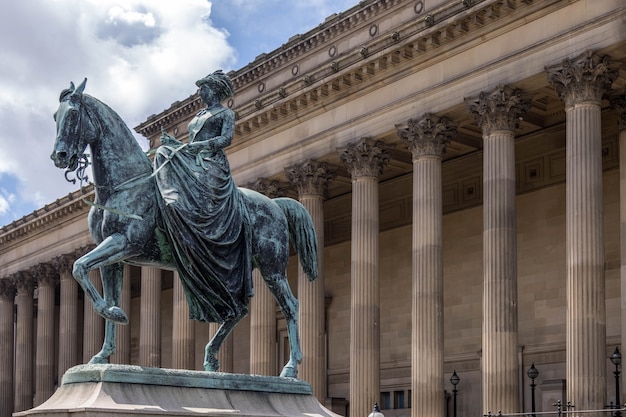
[64, 262]
[365, 158]
[45, 274]
[311, 177]
[618, 101]
[499, 109]
[7, 289]
[23, 282]
[427, 135]
[269, 188]
[587, 77]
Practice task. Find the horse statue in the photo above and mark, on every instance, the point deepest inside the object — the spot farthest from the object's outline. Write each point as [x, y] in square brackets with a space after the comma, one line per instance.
[127, 217]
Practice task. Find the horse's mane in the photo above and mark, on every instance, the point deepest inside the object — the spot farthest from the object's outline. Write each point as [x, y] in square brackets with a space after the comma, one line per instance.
[110, 120]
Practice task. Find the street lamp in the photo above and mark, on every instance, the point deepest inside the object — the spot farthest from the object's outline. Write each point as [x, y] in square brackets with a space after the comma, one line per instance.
[616, 359]
[454, 379]
[532, 374]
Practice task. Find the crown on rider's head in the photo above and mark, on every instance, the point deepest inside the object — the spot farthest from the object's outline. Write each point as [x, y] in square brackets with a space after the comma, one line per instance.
[220, 81]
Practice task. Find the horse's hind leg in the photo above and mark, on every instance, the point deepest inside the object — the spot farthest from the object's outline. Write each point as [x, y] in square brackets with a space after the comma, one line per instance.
[279, 286]
[211, 363]
[112, 276]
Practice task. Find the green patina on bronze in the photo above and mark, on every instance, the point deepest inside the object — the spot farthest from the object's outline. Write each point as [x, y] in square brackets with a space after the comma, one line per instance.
[183, 211]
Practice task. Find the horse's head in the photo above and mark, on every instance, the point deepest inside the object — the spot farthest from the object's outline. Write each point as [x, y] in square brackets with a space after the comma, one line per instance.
[74, 129]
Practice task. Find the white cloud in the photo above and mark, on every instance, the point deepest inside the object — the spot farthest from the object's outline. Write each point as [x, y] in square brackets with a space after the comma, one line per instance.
[4, 205]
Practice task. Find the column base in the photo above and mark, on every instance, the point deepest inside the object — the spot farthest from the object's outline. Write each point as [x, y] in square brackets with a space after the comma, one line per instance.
[126, 390]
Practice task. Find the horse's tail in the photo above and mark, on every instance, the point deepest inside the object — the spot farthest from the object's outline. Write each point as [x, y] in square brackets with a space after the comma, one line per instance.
[301, 233]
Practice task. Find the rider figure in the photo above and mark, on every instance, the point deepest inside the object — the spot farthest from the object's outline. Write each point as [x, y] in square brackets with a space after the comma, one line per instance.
[203, 210]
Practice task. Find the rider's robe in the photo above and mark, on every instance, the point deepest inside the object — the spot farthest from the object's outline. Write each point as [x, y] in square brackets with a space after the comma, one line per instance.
[204, 218]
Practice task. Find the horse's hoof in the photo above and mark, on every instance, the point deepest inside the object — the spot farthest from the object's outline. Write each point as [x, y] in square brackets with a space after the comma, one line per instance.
[116, 315]
[289, 372]
[98, 360]
[212, 365]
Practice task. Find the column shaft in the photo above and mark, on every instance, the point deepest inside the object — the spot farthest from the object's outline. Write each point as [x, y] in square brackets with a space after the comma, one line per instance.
[620, 103]
[7, 351]
[427, 307]
[24, 344]
[44, 382]
[365, 297]
[262, 328]
[586, 317]
[150, 316]
[183, 332]
[500, 364]
[312, 308]
[68, 318]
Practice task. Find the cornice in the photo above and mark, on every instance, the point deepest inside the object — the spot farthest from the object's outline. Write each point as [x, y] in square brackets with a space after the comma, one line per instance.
[47, 217]
[410, 43]
[334, 26]
[179, 110]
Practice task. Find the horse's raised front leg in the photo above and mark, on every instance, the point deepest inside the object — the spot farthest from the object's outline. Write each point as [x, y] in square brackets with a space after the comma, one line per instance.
[211, 363]
[288, 304]
[112, 250]
[112, 278]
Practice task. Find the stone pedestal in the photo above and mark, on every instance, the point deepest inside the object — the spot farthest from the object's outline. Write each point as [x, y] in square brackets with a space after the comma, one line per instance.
[125, 390]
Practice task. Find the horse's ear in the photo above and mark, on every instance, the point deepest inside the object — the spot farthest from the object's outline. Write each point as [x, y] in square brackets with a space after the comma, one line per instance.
[78, 92]
[66, 92]
[81, 87]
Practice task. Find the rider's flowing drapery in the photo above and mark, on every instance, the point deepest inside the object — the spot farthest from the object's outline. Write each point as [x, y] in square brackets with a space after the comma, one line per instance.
[203, 217]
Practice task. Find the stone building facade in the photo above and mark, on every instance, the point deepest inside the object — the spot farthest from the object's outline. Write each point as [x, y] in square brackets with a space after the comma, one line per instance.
[463, 162]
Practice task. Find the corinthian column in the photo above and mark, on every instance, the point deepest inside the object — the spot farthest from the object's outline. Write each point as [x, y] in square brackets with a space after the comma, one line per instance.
[183, 329]
[311, 179]
[498, 112]
[24, 342]
[68, 313]
[7, 340]
[262, 305]
[581, 82]
[619, 102]
[365, 161]
[426, 139]
[150, 316]
[44, 382]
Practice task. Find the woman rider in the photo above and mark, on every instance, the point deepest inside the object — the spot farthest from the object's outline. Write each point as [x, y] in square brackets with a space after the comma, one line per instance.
[202, 209]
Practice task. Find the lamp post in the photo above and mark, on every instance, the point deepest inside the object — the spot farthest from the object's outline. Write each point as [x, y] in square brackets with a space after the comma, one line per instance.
[616, 359]
[532, 374]
[454, 379]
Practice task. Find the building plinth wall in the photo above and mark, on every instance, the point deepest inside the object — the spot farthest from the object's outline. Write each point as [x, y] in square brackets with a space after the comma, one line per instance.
[506, 250]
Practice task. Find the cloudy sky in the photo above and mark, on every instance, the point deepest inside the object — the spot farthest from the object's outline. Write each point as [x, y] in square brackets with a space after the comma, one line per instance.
[139, 56]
